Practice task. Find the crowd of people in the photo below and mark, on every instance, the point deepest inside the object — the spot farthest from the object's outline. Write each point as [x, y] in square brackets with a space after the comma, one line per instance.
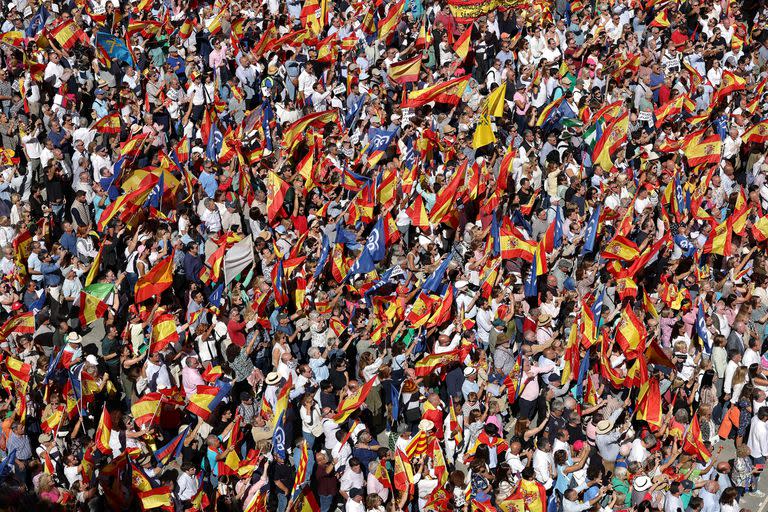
[465, 255]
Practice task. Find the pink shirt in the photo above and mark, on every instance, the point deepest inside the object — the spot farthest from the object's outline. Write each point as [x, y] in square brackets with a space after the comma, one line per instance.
[531, 383]
[190, 379]
[217, 57]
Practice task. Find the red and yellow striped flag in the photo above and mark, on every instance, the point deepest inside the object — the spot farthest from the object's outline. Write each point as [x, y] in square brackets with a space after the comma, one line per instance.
[448, 92]
[405, 71]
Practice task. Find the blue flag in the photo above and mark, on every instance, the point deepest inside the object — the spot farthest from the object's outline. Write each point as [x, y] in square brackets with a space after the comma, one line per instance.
[597, 307]
[589, 238]
[685, 245]
[155, 199]
[53, 363]
[171, 450]
[37, 22]
[354, 113]
[114, 47]
[701, 329]
[530, 286]
[379, 139]
[36, 306]
[266, 120]
[375, 249]
[495, 235]
[215, 140]
[385, 278]
[519, 220]
[434, 283]
[558, 235]
[216, 296]
[345, 236]
[6, 466]
[583, 369]
[323, 256]
[279, 447]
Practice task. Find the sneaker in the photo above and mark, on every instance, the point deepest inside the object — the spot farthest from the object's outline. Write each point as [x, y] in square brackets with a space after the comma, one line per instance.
[758, 493]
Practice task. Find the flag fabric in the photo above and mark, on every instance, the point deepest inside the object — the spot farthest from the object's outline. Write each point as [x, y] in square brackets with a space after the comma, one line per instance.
[464, 43]
[719, 240]
[109, 124]
[91, 309]
[649, 403]
[156, 281]
[113, 48]
[405, 71]
[67, 35]
[494, 103]
[620, 248]
[104, 432]
[279, 447]
[159, 497]
[630, 333]
[163, 332]
[145, 409]
[433, 362]
[484, 133]
[301, 470]
[591, 234]
[51, 422]
[276, 190]
[172, 449]
[207, 398]
[389, 23]
[353, 402]
[706, 151]
[613, 137]
[757, 134]
[448, 92]
[693, 443]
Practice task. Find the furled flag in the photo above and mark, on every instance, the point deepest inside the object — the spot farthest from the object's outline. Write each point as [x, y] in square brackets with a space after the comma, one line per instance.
[278, 438]
[701, 328]
[649, 403]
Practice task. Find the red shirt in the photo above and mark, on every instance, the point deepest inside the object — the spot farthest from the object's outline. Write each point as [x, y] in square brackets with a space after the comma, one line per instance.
[236, 334]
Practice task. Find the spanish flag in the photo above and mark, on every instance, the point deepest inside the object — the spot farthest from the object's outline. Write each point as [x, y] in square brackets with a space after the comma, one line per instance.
[297, 131]
[160, 497]
[405, 71]
[649, 403]
[432, 362]
[719, 240]
[19, 324]
[156, 281]
[637, 374]
[620, 248]
[20, 372]
[494, 103]
[104, 432]
[128, 205]
[693, 443]
[164, 331]
[513, 245]
[91, 308]
[613, 137]
[206, 399]
[12, 38]
[760, 229]
[670, 108]
[388, 25]
[67, 34]
[403, 472]
[705, 151]
[630, 333]
[547, 111]
[276, 190]
[418, 213]
[353, 402]
[134, 145]
[444, 203]
[463, 43]
[757, 134]
[443, 312]
[730, 83]
[108, 124]
[661, 20]
[448, 92]
[145, 411]
[51, 423]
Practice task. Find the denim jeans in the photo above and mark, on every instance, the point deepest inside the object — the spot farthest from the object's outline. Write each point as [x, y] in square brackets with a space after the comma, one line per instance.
[309, 438]
[282, 502]
[325, 502]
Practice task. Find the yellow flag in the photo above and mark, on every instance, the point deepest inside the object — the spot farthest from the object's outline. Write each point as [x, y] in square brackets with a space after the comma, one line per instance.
[483, 132]
[494, 104]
